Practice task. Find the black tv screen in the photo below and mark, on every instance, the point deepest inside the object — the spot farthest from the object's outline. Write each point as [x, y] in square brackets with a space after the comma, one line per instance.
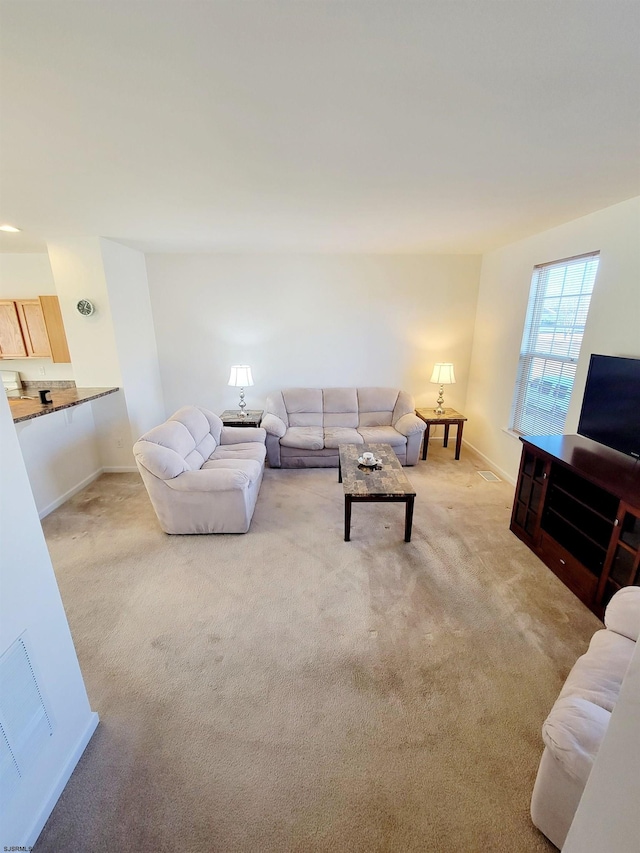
[611, 405]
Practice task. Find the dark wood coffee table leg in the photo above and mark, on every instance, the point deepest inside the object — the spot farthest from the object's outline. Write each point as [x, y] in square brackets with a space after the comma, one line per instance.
[459, 439]
[408, 518]
[347, 518]
[445, 443]
[425, 443]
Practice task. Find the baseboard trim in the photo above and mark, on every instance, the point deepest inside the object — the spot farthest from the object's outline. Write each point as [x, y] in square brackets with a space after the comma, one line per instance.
[69, 494]
[496, 468]
[62, 780]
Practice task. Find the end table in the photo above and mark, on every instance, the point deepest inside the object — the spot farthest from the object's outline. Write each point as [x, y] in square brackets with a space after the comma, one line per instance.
[232, 417]
[449, 417]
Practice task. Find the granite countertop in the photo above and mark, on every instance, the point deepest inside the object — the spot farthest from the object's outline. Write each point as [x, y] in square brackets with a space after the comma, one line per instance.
[61, 398]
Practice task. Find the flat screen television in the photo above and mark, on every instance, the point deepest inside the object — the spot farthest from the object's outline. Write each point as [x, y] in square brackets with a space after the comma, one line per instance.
[611, 404]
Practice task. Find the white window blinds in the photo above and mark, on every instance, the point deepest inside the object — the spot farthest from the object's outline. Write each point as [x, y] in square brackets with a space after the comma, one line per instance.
[551, 342]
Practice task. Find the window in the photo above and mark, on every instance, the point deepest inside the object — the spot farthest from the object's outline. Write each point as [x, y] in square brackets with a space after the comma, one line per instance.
[551, 341]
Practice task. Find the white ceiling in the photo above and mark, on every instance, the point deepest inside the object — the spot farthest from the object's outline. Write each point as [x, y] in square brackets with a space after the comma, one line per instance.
[315, 125]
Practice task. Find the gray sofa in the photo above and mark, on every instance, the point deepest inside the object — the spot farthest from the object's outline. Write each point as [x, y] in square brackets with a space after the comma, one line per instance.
[305, 426]
[201, 476]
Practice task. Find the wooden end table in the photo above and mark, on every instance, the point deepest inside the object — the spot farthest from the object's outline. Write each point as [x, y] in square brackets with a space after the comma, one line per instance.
[232, 417]
[449, 417]
[389, 484]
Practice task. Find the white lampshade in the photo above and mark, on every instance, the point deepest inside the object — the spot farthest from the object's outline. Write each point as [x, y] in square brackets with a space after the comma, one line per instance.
[443, 374]
[240, 376]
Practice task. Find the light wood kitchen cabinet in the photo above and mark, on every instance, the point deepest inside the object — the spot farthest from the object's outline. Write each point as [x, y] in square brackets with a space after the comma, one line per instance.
[33, 328]
[11, 341]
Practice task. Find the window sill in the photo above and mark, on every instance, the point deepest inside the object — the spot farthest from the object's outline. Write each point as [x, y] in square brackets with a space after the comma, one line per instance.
[511, 433]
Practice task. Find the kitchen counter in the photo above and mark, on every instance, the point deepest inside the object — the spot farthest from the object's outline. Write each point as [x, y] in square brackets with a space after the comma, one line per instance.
[62, 398]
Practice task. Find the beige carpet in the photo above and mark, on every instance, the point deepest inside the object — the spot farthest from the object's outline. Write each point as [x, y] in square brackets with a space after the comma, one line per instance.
[288, 691]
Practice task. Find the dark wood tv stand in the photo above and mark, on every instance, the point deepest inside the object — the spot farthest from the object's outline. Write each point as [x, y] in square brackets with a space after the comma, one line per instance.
[577, 506]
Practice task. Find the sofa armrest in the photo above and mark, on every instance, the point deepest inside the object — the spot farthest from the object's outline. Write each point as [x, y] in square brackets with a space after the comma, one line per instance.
[210, 480]
[238, 435]
[573, 732]
[623, 613]
[274, 425]
[404, 406]
[163, 462]
[410, 424]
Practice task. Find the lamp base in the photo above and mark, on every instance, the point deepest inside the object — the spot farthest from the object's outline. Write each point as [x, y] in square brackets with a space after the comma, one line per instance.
[242, 404]
[439, 410]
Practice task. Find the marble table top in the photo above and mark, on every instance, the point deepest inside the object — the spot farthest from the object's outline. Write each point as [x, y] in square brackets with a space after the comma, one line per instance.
[362, 481]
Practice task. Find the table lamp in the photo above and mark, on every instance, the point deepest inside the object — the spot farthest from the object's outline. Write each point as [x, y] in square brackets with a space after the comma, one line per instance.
[442, 375]
[240, 377]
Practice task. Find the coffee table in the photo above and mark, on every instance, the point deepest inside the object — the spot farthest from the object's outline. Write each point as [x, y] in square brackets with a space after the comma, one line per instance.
[361, 485]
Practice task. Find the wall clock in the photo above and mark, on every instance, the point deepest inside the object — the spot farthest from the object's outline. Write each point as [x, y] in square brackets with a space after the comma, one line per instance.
[85, 307]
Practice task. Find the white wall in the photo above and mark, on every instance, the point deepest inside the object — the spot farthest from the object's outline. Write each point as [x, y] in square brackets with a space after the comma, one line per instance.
[78, 271]
[30, 601]
[310, 320]
[126, 277]
[60, 453]
[26, 275]
[613, 325]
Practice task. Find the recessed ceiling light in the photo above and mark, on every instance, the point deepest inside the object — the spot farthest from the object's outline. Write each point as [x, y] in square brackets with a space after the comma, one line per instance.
[8, 228]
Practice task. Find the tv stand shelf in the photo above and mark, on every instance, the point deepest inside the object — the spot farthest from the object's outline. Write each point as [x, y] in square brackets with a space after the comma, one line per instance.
[577, 506]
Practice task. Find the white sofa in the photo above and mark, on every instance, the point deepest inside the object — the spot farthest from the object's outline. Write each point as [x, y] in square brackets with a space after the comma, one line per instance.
[305, 426]
[201, 476]
[578, 721]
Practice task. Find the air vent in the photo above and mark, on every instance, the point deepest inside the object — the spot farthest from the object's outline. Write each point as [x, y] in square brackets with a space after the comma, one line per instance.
[489, 476]
[25, 726]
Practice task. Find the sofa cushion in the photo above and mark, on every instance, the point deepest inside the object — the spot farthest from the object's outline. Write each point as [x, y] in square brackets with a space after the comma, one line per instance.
[376, 405]
[304, 406]
[252, 450]
[382, 435]
[573, 732]
[199, 422]
[340, 407]
[340, 400]
[335, 436]
[597, 675]
[193, 438]
[242, 435]
[348, 420]
[304, 437]
[174, 436]
[192, 448]
[297, 452]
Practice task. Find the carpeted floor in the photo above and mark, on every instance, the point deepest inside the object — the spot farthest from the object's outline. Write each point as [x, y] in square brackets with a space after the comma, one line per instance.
[288, 691]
